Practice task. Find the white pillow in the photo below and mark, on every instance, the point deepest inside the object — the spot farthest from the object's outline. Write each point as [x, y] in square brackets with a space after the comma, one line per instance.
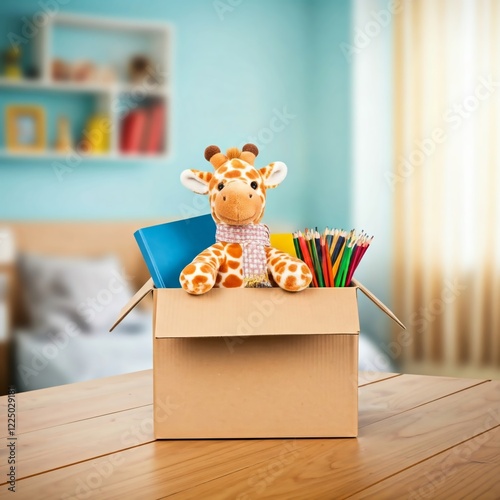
[87, 292]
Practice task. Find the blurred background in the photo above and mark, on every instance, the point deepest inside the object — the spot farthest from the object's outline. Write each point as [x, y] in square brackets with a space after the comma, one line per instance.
[386, 113]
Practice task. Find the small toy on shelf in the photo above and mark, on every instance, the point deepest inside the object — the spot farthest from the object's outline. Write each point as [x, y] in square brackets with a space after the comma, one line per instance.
[141, 70]
[12, 62]
[64, 142]
[61, 70]
[242, 255]
[96, 136]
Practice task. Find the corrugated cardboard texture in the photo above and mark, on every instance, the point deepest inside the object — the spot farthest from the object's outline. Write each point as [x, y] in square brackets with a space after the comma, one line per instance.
[256, 387]
[249, 312]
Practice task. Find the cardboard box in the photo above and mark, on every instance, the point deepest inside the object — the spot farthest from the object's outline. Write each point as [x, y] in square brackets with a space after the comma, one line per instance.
[255, 363]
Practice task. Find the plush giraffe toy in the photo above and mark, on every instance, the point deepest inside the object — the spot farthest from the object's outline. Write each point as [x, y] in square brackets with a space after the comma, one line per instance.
[242, 255]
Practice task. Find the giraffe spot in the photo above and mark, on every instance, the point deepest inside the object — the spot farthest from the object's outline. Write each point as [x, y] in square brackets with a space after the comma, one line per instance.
[205, 268]
[222, 170]
[305, 278]
[238, 164]
[252, 174]
[218, 279]
[199, 280]
[292, 267]
[274, 261]
[233, 264]
[217, 252]
[234, 250]
[233, 173]
[232, 281]
[190, 269]
[280, 267]
[304, 269]
[291, 282]
[223, 268]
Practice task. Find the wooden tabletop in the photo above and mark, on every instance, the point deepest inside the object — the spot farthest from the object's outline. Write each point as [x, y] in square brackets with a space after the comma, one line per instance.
[419, 437]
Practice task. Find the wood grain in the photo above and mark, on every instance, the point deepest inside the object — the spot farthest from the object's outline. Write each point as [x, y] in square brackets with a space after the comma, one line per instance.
[469, 470]
[69, 403]
[339, 468]
[365, 378]
[404, 393]
[157, 468]
[65, 444]
[306, 469]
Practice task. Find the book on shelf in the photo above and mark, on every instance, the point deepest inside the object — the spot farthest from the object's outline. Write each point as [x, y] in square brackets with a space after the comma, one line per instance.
[143, 129]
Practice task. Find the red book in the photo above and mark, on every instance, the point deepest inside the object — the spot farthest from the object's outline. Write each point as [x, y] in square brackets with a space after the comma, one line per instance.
[153, 142]
[132, 132]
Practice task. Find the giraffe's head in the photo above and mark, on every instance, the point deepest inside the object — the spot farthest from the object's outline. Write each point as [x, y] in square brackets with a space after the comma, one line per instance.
[236, 189]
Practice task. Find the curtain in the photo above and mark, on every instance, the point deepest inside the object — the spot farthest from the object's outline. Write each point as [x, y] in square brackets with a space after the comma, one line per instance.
[446, 182]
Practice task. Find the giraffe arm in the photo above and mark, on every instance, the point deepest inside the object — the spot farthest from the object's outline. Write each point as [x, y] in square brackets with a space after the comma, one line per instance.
[199, 276]
[289, 272]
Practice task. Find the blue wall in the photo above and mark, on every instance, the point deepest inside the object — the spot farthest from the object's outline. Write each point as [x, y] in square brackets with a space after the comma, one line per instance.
[230, 78]
[329, 131]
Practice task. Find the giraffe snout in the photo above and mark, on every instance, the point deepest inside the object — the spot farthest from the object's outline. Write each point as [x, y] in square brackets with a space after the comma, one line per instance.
[238, 203]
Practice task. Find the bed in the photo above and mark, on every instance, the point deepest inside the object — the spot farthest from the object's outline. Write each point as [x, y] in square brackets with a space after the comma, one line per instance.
[66, 269]
[79, 274]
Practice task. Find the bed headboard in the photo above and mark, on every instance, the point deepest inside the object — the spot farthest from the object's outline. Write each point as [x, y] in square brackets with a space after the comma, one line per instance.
[77, 239]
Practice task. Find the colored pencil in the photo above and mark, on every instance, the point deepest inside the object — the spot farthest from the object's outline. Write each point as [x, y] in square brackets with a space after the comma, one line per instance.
[306, 257]
[296, 245]
[324, 259]
[332, 256]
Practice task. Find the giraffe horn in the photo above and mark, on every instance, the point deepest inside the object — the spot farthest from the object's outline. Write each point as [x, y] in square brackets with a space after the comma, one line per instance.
[210, 151]
[214, 156]
[250, 151]
[251, 148]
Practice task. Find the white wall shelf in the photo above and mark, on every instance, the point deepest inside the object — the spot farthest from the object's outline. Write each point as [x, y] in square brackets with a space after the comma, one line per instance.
[112, 100]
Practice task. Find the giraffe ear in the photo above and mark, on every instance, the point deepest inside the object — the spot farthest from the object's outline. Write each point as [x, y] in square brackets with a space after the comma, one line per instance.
[273, 174]
[196, 181]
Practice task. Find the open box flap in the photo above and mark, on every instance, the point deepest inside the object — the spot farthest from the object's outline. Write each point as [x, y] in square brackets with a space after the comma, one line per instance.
[251, 312]
[349, 324]
[377, 302]
[140, 294]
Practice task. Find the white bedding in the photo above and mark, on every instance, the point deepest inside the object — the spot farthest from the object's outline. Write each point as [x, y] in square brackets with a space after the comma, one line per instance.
[40, 363]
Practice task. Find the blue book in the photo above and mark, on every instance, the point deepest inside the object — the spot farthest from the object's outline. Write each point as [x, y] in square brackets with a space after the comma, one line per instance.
[168, 248]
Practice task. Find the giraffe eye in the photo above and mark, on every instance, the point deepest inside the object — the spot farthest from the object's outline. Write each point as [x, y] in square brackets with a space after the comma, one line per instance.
[220, 187]
[254, 185]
